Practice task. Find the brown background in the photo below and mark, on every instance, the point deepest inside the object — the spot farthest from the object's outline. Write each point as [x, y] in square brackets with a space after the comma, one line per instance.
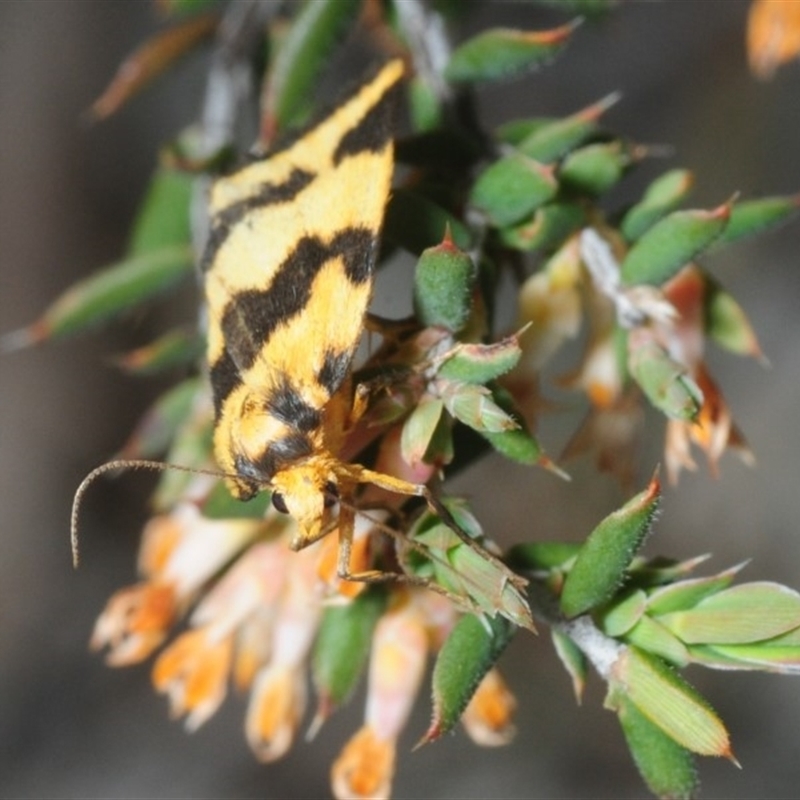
[69, 727]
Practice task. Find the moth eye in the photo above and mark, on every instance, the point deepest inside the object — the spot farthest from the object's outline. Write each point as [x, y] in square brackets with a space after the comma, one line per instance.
[331, 494]
[279, 503]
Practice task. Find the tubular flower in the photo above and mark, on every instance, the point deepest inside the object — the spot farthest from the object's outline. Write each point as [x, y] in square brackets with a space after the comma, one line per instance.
[488, 717]
[713, 430]
[365, 767]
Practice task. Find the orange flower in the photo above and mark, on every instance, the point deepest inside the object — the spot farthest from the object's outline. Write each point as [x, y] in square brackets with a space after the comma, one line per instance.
[365, 767]
[134, 622]
[193, 673]
[773, 35]
[488, 717]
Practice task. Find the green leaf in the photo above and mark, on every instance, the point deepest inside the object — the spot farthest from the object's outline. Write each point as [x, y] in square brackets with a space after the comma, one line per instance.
[480, 363]
[600, 566]
[687, 594]
[501, 53]
[669, 702]
[542, 555]
[304, 53]
[751, 217]
[419, 429]
[666, 383]
[667, 768]
[595, 168]
[726, 323]
[548, 142]
[469, 652]
[573, 660]
[342, 646]
[671, 243]
[511, 188]
[652, 637]
[549, 226]
[473, 405]
[742, 614]
[106, 294]
[518, 443]
[163, 218]
[623, 614]
[179, 347]
[443, 282]
[663, 195]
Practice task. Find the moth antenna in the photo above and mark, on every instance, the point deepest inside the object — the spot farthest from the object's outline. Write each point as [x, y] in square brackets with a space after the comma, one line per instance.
[110, 466]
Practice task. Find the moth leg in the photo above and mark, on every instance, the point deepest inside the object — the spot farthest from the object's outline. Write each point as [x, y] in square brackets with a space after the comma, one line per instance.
[347, 519]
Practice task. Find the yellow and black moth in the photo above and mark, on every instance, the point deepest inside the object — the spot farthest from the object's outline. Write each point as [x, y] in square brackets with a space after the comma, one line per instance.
[289, 270]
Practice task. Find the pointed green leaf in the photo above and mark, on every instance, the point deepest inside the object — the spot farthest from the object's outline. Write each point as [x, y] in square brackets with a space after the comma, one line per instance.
[443, 282]
[469, 652]
[663, 195]
[742, 614]
[105, 294]
[547, 229]
[595, 168]
[687, 594]
[600, 566]
[542, 555]
[419, 428]
[762, 656]
[473, 405]
[652, 637]
[669, 702]
[480, 363]
[302, 56]
[672, 243]
[179, 347]
[191, 447]
[726, 323]
[573, 660]
[511, 188]
[666, 383]
[751, 217]
[549, 142]
[621, 615]
[163, 218]
[667, 768]
[342, 645]
[503, 52]
[518, 443]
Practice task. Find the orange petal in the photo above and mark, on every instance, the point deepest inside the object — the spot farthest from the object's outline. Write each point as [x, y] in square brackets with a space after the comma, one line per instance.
[365, 767]
[488, 717]
[193, 672]
[135, 621]
[277, 704]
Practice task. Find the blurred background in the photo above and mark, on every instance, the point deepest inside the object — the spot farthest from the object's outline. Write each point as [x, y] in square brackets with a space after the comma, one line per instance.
[69, 726]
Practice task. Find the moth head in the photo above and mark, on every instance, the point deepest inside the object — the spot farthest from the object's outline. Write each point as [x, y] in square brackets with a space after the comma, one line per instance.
[308, 492]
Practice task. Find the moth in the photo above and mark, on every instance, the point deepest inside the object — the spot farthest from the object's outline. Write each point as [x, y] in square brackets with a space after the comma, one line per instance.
[289, 269]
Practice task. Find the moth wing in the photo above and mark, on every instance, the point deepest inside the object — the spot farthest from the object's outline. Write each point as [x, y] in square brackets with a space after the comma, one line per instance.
[292, 249]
